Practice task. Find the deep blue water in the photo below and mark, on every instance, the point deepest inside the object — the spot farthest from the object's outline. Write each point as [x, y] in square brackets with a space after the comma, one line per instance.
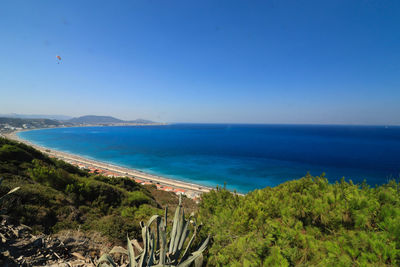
[244, 156]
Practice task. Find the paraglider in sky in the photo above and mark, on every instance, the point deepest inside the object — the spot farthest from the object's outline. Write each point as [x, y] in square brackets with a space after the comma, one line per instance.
[59, 59]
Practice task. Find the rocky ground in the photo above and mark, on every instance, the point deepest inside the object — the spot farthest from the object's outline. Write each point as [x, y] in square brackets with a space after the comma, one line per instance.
[20, 247]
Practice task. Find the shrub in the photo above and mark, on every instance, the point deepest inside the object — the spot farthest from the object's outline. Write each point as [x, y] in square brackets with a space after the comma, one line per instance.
[136, 198]
[304, 222]
[115, 227]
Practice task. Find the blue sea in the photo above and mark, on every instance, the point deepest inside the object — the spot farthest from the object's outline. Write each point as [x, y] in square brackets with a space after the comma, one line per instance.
[245, 157]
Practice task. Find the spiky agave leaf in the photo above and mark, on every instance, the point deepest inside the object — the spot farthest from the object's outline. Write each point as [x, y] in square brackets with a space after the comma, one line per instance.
[163, 242]
[136, 244]
[195, 231]
[131, 253]
[146, 242]
[10, 192]
[185, 232]
[174, 228]
[118, 249]
[157, 252]
[150, 260]
[195, 255]
[198, 262]
[13, 190]
[179, 229]
[106, 261]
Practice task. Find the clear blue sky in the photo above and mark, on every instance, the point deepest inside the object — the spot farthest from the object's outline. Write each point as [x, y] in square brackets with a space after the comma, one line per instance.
[203, 61]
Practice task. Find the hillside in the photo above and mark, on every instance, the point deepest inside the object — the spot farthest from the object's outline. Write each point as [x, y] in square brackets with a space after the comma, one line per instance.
[305, 222]
[91, 119]
[55, 195]
[63, 196]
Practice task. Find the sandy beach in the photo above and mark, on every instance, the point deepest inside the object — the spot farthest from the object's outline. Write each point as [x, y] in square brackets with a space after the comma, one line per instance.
[179, 187]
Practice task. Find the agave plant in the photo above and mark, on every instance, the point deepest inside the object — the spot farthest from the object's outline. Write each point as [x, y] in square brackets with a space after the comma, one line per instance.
[9, 192]
[157, 251]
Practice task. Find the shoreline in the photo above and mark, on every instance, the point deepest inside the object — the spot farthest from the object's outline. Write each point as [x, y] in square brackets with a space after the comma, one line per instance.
[191, 190]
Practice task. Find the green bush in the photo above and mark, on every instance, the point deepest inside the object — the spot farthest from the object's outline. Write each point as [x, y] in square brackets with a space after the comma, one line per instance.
[115, 227]
[304, 222]
[51, 176]
[136, 199]
[145, 211]
[123, 182]
[19, 152]
[10, 152]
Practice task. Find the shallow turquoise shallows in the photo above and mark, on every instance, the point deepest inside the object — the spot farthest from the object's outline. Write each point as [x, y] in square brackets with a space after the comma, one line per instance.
[245, 157]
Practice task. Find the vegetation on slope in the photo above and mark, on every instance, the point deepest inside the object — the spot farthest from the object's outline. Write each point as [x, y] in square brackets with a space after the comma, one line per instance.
[55, 195]
[304, 222]
[299, 223]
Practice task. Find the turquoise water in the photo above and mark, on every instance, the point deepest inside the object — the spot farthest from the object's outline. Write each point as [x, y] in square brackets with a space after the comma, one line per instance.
[244, 157]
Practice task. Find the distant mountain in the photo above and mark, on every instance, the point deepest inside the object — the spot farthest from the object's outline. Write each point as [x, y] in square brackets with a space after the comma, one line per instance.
[36, 116]
[92, 119]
